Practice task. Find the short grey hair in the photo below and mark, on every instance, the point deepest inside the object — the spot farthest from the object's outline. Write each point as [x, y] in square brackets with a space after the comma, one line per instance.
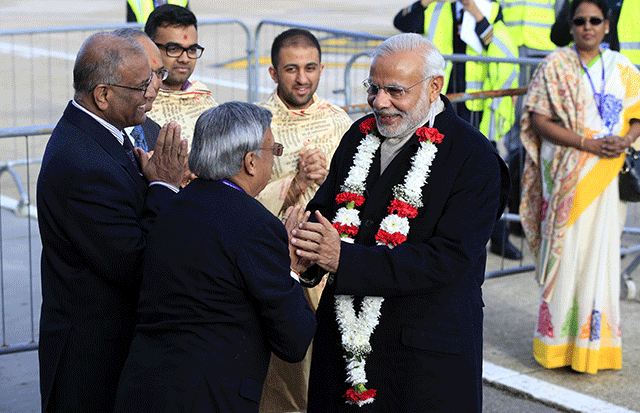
[130, 32]
[411, 42]
[99, 60]
[224, 135]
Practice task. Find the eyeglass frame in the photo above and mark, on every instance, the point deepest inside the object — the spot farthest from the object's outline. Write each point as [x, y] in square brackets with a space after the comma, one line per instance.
[195, 47]
[581, 21]
[276, 150]
[402, 90]
[165, 72]
[137, 88]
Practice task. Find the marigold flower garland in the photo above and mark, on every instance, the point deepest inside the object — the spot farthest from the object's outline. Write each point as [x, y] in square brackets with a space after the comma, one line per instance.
[356, 330]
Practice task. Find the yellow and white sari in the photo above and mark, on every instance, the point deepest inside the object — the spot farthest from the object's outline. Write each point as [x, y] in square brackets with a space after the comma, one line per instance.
[571, 209]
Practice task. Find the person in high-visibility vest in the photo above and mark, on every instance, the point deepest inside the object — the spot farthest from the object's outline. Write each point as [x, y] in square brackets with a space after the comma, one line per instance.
[472, 27]
[139, 10]
[622, 35]
[529, 23]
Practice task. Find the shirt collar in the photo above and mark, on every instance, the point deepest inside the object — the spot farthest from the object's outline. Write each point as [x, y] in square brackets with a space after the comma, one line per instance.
[117, 133]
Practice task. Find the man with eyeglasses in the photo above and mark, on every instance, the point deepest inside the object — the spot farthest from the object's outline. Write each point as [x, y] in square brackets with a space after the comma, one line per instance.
[174, 29]
[401, 224]
[310, 128]
[144, 136]
[217, 297]
[97, 199]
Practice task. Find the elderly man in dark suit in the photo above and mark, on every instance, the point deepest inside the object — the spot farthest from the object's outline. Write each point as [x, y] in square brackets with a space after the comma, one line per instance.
[96, 203]
[217, 296]
[413, 193]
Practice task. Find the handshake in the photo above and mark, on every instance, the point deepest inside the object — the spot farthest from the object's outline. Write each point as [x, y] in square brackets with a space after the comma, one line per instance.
[311, 243]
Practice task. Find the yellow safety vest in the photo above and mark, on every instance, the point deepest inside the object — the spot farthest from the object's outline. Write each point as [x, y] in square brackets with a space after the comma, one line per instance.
[498, 114]
[143, 8]
[529, 22]
[628, 34]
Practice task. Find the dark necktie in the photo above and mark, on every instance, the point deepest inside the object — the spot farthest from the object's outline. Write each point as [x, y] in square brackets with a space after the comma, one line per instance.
[138, 136]
[128, 148]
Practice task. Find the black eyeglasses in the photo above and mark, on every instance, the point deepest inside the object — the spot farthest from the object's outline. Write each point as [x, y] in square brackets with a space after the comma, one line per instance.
[581, 21]
[396, 92]
[276, 149]
[141, 89]
[175, 50]
[162, 73]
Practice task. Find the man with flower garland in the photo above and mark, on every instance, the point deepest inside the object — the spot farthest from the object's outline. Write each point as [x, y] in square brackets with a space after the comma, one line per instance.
[401, 224]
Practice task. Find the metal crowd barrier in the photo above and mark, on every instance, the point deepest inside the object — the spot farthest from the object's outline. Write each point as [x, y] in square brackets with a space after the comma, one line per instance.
[38, 80]
[20, 246]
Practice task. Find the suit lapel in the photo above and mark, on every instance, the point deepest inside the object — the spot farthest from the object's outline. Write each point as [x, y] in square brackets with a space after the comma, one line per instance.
[105, 140]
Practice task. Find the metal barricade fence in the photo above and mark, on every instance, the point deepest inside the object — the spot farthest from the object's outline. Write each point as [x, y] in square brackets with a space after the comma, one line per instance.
[20, 247]
[39, 80]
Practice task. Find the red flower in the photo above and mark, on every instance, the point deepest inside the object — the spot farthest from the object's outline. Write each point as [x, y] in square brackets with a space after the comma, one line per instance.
[429, 133]
[367, 124]
[349, 197]
[404, 209]
[346, 229]
[390, 239]
[353, 396]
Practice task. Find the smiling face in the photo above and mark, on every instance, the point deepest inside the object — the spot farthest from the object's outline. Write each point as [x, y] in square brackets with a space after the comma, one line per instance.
[297, 75]
[126, 107]
[396, 117]
[587, 36]
[180, 68]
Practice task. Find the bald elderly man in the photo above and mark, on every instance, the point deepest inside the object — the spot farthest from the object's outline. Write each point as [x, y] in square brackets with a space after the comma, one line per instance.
[97, 199]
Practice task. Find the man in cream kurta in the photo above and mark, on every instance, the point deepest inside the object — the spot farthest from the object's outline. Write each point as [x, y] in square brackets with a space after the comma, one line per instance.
[174, 29]
[310, 128]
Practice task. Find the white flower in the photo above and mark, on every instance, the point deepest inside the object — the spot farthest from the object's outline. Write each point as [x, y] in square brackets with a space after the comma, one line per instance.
[356, 330]
[346, 216]
[393, 223]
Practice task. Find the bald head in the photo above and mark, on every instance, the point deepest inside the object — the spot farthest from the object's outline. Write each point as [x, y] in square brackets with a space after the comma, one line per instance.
[99, 60]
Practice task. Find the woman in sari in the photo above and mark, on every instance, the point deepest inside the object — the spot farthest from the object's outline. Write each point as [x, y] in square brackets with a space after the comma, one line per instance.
[581, 113]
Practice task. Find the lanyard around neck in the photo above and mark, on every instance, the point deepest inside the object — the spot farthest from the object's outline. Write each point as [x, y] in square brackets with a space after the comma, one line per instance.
[231, 184]
[593, 89]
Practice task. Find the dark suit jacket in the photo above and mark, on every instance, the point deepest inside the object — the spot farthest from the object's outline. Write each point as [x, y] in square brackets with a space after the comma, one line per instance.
[94, 210]
[216, 299]
[427, 347]
[151, 130]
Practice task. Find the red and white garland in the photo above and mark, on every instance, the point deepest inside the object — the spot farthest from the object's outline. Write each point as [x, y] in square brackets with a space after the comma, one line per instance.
[356, 330]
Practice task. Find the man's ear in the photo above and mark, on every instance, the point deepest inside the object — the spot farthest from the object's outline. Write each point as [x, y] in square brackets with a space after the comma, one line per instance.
[249, 163]
[435, 87]
[274, 74]
[100, 97]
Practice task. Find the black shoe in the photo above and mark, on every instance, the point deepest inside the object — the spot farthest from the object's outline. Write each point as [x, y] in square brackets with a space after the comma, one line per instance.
[510, 251]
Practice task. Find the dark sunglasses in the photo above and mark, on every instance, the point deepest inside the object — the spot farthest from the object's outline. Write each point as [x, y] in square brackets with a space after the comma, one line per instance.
[581, 21]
